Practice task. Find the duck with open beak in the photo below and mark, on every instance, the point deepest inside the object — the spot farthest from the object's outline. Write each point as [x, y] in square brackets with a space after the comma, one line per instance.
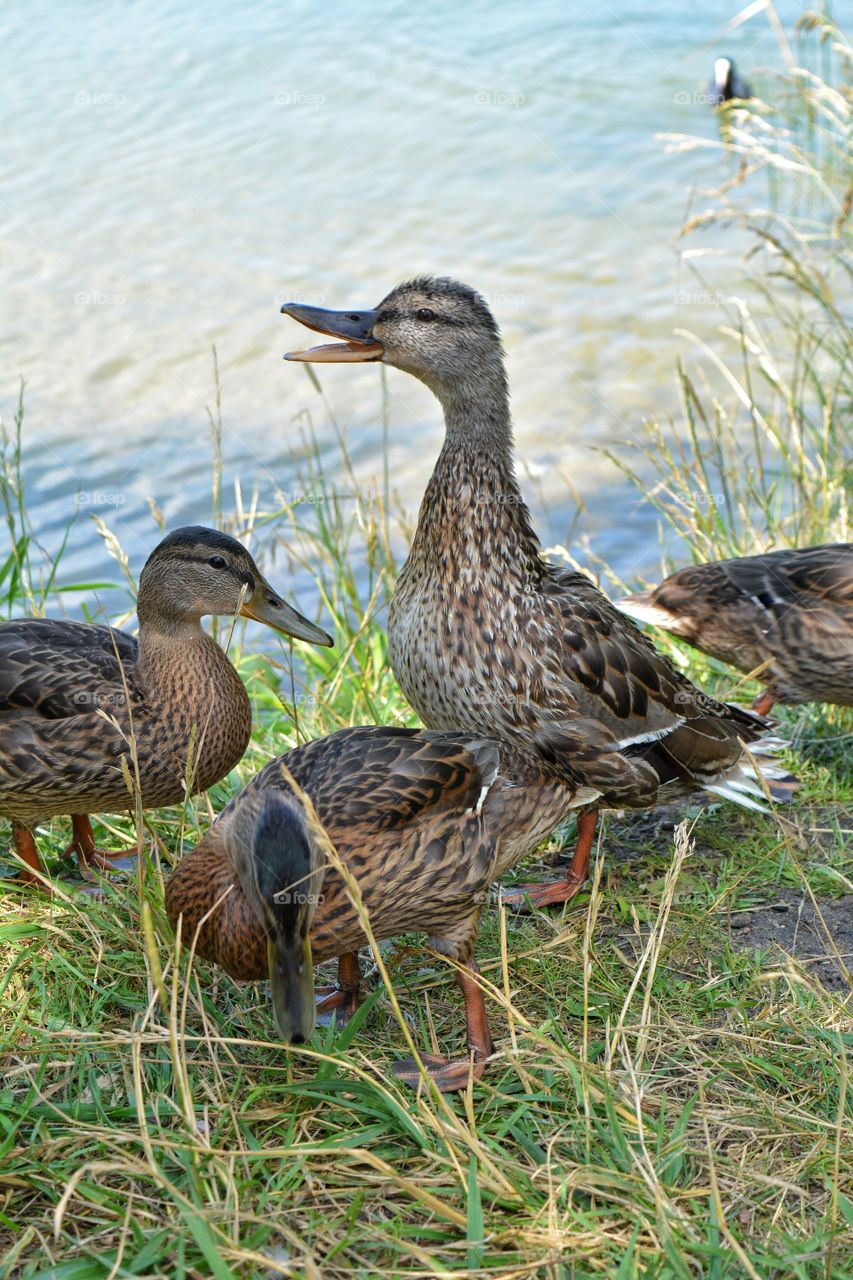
[486, 636]
[353, 327]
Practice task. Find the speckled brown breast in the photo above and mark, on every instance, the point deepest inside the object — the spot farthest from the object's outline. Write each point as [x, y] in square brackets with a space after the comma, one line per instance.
[185, 707]
[485, 636]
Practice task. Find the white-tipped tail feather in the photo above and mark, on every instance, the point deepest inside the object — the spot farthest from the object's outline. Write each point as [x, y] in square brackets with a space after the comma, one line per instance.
[743, 784]
[653, 735]
[728, 792]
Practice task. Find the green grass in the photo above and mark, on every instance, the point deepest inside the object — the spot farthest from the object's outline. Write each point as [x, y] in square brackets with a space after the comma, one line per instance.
[664, 1101]
[668, 1098]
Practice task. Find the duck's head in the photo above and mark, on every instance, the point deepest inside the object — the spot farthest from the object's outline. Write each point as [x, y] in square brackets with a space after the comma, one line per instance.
[196, 572]
[727, 82]
[280, 868]
[436, 329]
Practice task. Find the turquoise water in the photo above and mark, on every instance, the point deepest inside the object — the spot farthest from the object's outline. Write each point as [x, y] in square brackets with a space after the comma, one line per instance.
[173, 173]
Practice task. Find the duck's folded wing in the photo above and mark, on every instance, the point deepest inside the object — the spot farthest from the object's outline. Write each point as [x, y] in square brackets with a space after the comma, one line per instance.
[805, 599]
[806, 576]
[616, 677]
[56, 669]
[381, 778]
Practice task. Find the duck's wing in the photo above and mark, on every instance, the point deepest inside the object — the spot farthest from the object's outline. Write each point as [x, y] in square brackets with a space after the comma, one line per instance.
[379, 778]
[806, 577]
[803, 600]
[52, 669]
[613, 675]
[790, 611]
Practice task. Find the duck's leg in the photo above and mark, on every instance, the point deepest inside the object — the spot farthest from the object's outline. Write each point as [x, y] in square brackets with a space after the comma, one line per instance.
[342, 998]
[457, 942]
[24, 844]
[764, 703]
[83, 845]
[449, 1074]
[557, 891]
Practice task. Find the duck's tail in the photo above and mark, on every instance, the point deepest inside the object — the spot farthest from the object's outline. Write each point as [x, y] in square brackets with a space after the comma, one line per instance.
[288, 877]
[749, 779]
[757, 775]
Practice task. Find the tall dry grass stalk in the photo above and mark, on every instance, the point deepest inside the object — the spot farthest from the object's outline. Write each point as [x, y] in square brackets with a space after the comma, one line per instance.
[763, 455]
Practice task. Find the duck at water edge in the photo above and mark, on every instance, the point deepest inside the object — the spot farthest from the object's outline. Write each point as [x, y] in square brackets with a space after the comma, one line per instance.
[485, 636]
[83, 707]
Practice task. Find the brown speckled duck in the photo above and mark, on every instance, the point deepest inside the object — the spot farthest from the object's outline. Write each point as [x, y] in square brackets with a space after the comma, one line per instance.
[788, 611]
[173, 689]
[487, 637]
[424, 821]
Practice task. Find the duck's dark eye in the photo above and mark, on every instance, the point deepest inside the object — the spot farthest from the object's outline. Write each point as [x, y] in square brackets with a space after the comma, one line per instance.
[217, 562]
[426, 313]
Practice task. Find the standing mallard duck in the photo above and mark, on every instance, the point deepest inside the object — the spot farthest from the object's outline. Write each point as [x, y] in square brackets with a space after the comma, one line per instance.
[174, 691]
[487, 637]
[790, 612]
[424, 822]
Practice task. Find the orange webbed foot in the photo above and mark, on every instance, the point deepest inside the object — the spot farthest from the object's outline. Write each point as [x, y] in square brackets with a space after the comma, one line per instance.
[529, 897]
[450, 1075]
[82, 846]
[342, 999]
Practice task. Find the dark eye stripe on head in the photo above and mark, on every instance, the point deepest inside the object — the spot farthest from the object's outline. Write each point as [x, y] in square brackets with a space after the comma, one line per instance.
[396, 313]
[244, 577]
[438, 290]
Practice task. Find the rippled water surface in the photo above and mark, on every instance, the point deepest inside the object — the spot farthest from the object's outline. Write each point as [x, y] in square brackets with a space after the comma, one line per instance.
[174, 172]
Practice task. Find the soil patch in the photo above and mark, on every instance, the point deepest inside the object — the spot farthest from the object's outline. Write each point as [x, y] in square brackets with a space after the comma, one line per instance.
[822, 939]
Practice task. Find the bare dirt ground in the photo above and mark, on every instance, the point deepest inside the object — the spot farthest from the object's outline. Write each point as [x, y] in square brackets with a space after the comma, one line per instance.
[821, 939]
[818, 933]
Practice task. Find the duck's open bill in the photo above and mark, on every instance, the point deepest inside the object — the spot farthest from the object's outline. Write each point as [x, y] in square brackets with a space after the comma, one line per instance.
[354, 327]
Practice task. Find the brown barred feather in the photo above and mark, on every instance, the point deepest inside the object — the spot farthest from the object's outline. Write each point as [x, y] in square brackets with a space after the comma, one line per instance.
[72, 695]
[791, 610]
[406, 812]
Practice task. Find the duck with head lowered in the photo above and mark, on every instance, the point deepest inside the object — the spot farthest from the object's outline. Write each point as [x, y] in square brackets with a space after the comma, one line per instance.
[81, 704]
[423, 821]
[486, 636]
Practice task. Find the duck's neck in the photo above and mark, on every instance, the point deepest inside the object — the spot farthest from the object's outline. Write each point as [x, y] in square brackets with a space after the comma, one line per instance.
[473, 502]
[176, 638]
[194, 693]
[179, 663]
[476, 412]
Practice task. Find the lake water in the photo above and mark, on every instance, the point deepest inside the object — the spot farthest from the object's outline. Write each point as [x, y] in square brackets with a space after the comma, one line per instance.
[174, 172]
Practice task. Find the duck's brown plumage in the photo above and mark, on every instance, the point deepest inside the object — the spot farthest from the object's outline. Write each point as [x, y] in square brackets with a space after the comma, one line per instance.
[483, 630]
[541, 646]
[399, 805]
[58, 754]
[63, 684]
[486, 636]
[790, 609]
[424, 821]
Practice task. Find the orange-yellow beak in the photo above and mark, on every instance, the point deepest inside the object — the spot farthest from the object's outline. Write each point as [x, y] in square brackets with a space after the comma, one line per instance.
[354, 327]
